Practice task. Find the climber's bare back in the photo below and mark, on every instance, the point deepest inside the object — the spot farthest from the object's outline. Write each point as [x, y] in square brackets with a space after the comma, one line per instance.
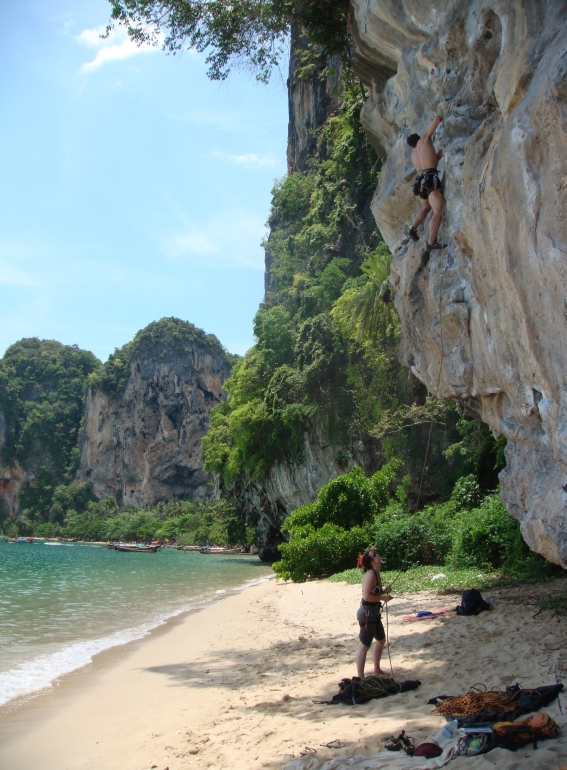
[424, 155]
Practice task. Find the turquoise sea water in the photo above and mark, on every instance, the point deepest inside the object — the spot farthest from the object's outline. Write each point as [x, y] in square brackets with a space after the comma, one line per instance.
[61, 604]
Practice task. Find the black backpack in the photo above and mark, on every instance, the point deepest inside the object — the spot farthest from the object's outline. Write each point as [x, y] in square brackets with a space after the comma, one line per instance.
[472, 603]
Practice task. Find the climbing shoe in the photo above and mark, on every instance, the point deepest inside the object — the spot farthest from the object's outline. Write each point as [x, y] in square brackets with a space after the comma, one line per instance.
[407, 743]
[413, 235]
[391, 743]
[403, 741]
[432, 247]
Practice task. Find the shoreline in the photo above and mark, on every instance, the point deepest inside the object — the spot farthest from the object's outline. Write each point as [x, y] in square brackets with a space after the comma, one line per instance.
[86, 651]
[233, 685]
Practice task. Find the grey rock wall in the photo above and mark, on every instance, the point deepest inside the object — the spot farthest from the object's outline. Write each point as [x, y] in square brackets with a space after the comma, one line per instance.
[269, 500]
[311, 99]
[145, 446]
[484, 324]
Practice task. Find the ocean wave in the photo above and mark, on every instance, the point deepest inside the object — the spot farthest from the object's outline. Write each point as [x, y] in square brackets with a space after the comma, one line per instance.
[31, 677]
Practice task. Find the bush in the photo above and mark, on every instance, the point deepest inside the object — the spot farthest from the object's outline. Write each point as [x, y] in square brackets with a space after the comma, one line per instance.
[314, 552]
[349, 500]
[466, 493]
[423, 538]
[489, 537]
[328, 535]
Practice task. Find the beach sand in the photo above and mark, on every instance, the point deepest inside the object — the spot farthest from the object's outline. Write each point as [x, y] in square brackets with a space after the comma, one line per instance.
[232, 686]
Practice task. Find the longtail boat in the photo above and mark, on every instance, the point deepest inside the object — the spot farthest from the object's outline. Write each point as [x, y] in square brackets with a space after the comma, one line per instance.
[135, 548]
[214, 549]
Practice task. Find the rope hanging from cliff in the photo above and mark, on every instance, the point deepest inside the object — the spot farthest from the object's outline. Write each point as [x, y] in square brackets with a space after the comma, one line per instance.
[404, 560]
[428, 445]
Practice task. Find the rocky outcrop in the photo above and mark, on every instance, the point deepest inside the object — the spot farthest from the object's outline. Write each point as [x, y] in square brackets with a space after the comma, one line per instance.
[12, 478]
[145, 445]
[485, 322]
[268, 501]
[312, 88]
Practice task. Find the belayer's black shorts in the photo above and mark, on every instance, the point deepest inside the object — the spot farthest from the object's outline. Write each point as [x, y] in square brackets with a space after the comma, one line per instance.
[369, 619]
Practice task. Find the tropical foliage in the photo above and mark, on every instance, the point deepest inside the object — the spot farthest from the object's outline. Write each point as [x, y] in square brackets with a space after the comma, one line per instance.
[249, 33]
[42, 399]
[326, 350]
[470, 530]
[76, 513]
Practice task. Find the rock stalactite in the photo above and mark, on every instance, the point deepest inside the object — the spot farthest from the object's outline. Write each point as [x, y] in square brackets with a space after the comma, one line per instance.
[485, 321]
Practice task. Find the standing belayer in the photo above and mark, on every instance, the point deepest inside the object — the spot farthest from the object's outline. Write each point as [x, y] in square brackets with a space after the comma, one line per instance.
[368, 615]
[427, 184]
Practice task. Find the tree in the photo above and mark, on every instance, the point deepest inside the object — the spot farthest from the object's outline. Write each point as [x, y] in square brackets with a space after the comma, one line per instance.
[369, 316]
[234, 32]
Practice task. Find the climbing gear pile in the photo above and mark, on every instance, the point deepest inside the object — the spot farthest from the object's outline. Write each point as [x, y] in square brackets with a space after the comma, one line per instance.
[356, 690]
[475, 700]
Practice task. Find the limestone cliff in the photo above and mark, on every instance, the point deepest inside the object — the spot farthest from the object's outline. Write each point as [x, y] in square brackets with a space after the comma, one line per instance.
[485, 322]
[268, 501]
[312, 87]
[143, 443]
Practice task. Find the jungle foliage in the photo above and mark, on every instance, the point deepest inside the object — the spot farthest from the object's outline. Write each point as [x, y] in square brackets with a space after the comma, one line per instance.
[76, 513]
[470, 530]
[326, 349]
[245, 33]
[42, 398]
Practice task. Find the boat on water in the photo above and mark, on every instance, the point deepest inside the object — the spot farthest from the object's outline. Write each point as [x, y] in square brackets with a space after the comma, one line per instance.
[188, 547]
[215, 549]
[134, 548]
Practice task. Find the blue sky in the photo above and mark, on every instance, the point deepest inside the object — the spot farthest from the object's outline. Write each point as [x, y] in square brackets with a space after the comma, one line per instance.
[131, 186]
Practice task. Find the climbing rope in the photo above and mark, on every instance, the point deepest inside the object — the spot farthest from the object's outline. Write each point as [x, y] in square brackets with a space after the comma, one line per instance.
[378, 686]
[475, 700]
[420, 488]
[404, 560]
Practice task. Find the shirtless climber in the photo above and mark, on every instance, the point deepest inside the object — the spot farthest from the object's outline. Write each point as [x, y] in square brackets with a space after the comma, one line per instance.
[427, 184]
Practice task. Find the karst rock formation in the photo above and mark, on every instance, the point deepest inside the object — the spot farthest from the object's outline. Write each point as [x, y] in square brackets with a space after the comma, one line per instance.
[484, 322]
[144, 445]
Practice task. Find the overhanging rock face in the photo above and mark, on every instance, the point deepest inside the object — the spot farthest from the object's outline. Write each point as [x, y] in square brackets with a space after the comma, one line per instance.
[486, 324]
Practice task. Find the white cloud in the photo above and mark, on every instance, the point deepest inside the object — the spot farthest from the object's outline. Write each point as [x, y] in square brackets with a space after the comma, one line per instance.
[11, 275]
[115, 47]
[232, 239]
[247, 160]
[191, 242]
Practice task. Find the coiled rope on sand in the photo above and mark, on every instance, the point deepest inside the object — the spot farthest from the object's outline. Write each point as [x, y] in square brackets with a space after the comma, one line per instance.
[474, 701]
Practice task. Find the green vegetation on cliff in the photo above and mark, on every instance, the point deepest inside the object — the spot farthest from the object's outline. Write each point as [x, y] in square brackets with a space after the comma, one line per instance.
[43, 388]
[157, 340]
[42, 399]
[326, 348]
[298, 370]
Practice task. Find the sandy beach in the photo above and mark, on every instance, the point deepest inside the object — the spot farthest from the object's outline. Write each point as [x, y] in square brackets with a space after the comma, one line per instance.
[233, 685]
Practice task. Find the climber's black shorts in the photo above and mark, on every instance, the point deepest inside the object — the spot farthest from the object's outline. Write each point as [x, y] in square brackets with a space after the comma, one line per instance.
[369, 620]
[426, 182]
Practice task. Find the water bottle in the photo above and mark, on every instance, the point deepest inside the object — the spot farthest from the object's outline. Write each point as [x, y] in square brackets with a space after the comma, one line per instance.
[446, 733]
